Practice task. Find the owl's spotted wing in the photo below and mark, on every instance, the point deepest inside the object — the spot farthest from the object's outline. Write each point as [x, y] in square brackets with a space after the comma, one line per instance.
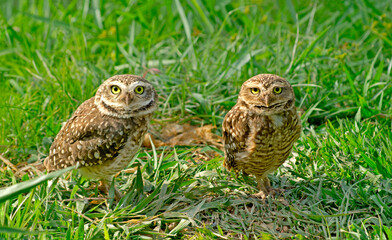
[235, 134]
[85, 139]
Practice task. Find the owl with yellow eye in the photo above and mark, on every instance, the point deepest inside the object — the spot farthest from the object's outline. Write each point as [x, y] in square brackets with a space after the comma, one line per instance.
[261, 129]
[105, 132]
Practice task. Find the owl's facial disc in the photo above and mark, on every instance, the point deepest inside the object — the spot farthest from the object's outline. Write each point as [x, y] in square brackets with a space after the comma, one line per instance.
[267, 99]
[122, 99]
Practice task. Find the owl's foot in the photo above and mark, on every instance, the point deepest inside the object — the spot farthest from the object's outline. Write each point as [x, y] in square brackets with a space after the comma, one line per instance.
[268, 191]
[262, 195]
[105, 187]
[265, 188]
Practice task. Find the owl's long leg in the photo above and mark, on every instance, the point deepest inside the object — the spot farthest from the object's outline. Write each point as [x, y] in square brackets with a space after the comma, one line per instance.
[263, 187]
[267, 183]
[272, 191]
[104, 186]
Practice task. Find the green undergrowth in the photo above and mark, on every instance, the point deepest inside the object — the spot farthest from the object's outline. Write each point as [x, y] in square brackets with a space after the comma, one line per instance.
[331, 191]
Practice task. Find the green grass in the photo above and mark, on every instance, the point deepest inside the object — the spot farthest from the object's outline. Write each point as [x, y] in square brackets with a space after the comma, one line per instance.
[54, 55]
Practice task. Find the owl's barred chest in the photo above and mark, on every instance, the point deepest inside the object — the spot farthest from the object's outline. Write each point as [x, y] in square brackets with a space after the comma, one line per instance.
[273, 140]
[275, 131]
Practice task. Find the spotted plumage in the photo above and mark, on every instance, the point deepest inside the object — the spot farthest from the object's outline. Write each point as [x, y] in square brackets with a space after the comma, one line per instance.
[105, 132]
[260, 130]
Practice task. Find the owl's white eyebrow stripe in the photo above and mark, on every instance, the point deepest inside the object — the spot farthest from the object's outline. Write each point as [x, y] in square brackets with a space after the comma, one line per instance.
[130, 87]
[257, 85]
[262, 87]
[120, 84]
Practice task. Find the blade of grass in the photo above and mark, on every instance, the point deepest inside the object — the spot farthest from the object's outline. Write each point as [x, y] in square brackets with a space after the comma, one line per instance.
[19, 188]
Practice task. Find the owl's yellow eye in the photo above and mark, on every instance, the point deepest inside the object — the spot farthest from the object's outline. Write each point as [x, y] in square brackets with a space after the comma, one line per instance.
[255, 90]
[139, 90]
[115, 89]
[278, 90]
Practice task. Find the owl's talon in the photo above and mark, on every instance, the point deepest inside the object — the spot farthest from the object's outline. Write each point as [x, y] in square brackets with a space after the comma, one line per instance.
[269, 191]
[262, 195]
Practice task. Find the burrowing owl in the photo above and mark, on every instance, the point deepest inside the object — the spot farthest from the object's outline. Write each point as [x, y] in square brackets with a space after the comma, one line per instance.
[106, 131]
[260, 130]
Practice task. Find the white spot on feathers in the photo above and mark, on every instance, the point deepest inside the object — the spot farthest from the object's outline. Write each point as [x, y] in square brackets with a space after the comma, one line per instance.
[277, 120]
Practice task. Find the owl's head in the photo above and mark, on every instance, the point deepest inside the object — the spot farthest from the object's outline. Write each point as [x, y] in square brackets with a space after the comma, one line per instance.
[126, 96]
[267, 94]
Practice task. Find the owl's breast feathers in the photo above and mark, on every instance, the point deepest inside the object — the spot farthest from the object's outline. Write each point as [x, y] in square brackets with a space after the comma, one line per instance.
[258, 143]
[89, 138]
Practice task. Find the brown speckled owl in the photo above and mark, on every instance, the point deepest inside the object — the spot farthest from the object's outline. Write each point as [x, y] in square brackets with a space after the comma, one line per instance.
[260, 130]
[106, 131]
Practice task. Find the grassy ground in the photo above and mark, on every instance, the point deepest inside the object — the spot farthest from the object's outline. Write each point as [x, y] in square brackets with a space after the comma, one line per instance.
[337, 55]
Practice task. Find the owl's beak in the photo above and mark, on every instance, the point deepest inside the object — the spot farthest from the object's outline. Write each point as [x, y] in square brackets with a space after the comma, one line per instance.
[128, 99]
[267, 101]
